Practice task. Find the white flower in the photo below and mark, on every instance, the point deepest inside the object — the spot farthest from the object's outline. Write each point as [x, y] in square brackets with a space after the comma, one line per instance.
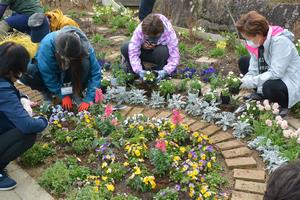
[235, 80]
[294, 135]
[267, 107]
[275, 111]
[298, 140]
[275, 106]
[260, 107]
[278, 118]
[284, 124]
[269, 122]
[230, 73]
[287, 133]
[266, 102]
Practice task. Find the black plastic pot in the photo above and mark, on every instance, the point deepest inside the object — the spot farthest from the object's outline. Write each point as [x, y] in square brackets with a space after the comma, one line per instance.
[225, 99]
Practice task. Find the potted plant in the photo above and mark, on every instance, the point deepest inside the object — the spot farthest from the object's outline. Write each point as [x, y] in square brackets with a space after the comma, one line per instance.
[167, 88]
[104, 84]
[150, 77]
[209, 97]
[225, 96]
[195, 86]
[233, 83]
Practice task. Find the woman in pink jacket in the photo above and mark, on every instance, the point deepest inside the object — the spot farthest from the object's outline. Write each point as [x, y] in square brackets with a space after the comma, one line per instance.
[154, 41]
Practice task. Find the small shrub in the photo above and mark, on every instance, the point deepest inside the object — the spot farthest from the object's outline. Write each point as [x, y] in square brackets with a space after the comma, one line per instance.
[167, 87]
[36, 154]
[166, 194]
[161, 161]
[241, 50]
[216, 52]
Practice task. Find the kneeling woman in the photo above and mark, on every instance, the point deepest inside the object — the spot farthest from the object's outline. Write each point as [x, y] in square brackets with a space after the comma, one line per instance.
[65, 65]
[154, 41]
[274, 66]
[17, 128]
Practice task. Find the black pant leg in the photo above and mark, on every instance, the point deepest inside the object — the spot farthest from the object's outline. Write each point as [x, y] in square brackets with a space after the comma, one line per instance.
[145, 8]
[276, 91]
[158, 56]
[13, 143]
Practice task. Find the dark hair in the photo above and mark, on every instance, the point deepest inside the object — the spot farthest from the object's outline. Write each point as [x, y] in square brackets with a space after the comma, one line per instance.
[14, 59]
[152, 25]
[76, 73]
[252, 24]
[284, 183]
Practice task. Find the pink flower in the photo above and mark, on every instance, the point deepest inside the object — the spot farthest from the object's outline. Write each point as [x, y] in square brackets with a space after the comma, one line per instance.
[275, 106]
[298, 140]
[108, 111]
[176, 117]
[294, 135]
[114, 122]
[278, 118]
[161, 145]
[284, 125]
[266, 102]
[267, 107]
[99, 97]
[275, 111]
[260, 107]
[298, 132]
[287, 133]
[269, 123]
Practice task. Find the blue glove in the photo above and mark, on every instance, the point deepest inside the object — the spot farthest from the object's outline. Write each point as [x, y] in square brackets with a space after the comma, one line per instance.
[142, 74]
[161, 74]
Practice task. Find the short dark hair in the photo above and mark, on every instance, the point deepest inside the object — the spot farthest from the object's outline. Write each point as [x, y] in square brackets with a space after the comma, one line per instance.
[284, 183]
[152, 25]
[253, 24]
[14, 59]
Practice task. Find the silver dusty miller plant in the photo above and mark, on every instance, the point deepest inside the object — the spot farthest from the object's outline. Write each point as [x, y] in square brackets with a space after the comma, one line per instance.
[270, 153]
[176, 102]
[226, 120]
[242, 129]
[116, 94]
[195, 105]
[156, 100]
[210, 113]
[136, 96]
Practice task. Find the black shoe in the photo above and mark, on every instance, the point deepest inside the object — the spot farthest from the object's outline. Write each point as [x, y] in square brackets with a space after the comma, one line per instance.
[283, 112]
[6, 183]
[254, 96]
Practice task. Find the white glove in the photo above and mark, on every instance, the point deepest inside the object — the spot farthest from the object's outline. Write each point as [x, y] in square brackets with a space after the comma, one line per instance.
[248, 82]
[26, 104]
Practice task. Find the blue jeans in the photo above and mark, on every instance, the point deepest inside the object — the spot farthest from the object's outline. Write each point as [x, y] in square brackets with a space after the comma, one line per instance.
[19, 22]
[145, 9]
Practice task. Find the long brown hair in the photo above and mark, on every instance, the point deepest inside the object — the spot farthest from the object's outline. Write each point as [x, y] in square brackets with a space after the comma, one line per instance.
[76, 74]
[253, 24]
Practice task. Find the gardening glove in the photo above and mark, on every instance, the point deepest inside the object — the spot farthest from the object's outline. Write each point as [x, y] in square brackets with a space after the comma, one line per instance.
[67, 103]
[27, 105]
[142, 74]
[83, 106]
[161, 74]
[248, 82]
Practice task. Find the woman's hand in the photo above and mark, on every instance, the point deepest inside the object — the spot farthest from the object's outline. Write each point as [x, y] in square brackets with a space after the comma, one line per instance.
[148, 46]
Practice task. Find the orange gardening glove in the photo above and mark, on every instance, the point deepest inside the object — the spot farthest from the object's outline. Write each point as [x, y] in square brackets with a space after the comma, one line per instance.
[67, 103]
[83, 106]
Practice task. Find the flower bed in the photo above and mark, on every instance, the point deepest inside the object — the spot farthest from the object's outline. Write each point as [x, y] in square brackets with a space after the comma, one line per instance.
[107, 157]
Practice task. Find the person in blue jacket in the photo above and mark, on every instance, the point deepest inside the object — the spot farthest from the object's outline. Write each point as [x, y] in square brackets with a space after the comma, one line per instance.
[65, 65]
[17, 128]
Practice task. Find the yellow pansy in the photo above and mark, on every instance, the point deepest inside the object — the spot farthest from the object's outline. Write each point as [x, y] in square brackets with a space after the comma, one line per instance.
[209, 164]
[104, 165]
[110, 187]
[104, 178]
[141, 128]
[69, 139]
[108, 171]
[125, 164]
[59, 125]
[137, 170]
[182, 149]
[97, 182]
[203, 156]
[137, 153]
[195, 134]
[96, 189]
[176, 158]
[162, 134]
[207, 194]
[199, 139]
[45, 146]
[221, 44]
[131, 126]
[55, 122]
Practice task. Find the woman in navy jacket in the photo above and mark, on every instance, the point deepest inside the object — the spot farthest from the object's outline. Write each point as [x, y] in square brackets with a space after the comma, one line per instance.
[17, 128]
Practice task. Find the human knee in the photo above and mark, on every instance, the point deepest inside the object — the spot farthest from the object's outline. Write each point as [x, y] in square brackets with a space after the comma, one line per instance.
[125, 49]
[243, 64]
[161, 52]
[4, 27]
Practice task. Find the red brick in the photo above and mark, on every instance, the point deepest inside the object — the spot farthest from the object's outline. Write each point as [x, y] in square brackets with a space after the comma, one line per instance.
[221, 137]
[243, 162]
[198, 125]
[210, 130]
[125, 111]
[150, 112]
[164, 114]
[245, 196]
[230, 144]
[238, 152]
[249, 186]
[249, 175]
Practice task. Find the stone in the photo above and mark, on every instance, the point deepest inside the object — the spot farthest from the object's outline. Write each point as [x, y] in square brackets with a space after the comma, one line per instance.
[134, 111]
[198, 125]
[210, 130]
[245, 196]
[206, 61]
[164, 114]
[230, 145]
[118, 39]
[295, 123]
[221, 136]
[249, 175]
[9, 195]
[249, 186]
[150, 112]
[239, 152]
[27, 187]
[243, 162]
[86, 19]
[125, 111]
[101, 29]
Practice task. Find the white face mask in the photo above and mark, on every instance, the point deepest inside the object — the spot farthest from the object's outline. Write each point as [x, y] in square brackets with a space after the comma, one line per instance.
[252, 44]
